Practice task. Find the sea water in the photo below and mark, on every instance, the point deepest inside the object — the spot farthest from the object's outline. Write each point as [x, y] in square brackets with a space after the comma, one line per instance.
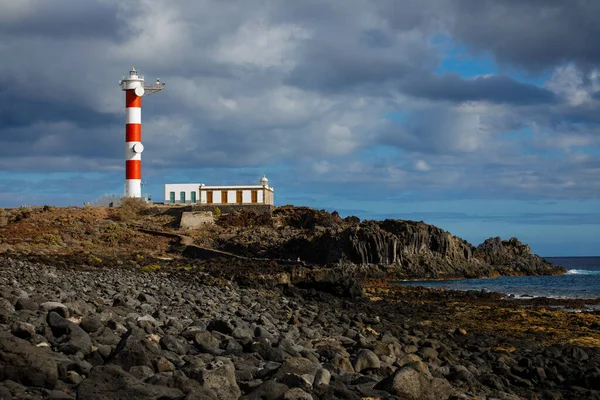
[582, 281]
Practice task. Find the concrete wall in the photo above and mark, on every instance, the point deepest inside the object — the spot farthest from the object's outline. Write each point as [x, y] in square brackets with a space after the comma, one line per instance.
[229, 208]
[196, 219]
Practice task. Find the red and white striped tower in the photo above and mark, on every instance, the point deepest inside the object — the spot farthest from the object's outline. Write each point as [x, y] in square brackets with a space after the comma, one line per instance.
[134, 88]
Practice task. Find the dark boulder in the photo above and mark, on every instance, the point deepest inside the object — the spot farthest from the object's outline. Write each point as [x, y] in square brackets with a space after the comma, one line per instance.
[22, 362]
[23, 330]
[74, 338]
[24, 303]
[219, 376]
[110, 382]
[410, 384]
[220, 325]
[91, 323]
[207, 343]
[269, 390]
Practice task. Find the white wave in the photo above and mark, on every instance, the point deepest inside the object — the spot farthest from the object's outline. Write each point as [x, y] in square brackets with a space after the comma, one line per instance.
[582, 272]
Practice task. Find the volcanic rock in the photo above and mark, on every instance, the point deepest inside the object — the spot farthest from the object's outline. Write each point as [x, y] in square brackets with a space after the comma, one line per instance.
[24, 363]
[110, 382]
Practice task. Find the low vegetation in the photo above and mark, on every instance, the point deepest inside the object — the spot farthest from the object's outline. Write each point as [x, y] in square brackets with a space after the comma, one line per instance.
[131, 209]
[151, 268]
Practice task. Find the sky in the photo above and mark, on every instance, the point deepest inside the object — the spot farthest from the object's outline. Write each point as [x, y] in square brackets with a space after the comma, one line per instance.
[479, 116]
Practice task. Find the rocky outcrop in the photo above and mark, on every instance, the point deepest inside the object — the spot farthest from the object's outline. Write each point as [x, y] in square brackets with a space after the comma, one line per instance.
[512, 256]
[413, 249]
[421, 250]
[418, 249]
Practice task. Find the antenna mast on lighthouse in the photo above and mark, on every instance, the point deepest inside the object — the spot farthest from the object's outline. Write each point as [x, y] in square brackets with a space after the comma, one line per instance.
[134, 88]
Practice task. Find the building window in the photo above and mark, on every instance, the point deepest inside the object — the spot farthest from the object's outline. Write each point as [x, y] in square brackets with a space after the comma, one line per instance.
[172, 197]
[182, 197]
[209, 197]
[238, 197]
[193, 194]
[255, 196]
[224, 197]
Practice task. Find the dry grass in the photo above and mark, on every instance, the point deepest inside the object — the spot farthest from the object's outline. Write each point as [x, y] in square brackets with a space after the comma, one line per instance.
[131, 209]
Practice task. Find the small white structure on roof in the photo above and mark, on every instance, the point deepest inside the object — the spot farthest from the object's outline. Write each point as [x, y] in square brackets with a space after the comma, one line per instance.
[199, 193]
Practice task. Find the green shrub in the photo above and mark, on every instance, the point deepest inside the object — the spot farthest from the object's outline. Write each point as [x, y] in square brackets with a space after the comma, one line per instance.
[217, 212]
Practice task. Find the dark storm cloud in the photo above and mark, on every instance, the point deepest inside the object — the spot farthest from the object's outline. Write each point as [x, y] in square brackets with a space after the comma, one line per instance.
[413, 14]
[63, 19]
[42, 142]
[17, 111]
[263, 83]
[495, 88]
[32, 127]
[581, 116]
[535, 34]
[312, 12]
[330, 68]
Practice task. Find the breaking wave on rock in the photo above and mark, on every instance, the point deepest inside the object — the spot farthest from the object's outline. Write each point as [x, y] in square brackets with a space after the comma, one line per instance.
[582, 272]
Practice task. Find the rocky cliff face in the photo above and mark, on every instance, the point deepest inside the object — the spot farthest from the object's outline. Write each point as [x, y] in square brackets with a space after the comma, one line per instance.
[426, 251]
[418, 249]
[390, 241]
[413, 249]
[512, 255]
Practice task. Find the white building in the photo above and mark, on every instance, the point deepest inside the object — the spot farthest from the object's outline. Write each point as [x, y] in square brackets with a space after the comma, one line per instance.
[199, 193]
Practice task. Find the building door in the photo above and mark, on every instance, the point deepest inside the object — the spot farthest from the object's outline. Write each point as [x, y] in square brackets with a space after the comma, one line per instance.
[182, 197]
[255, 196]
[238, 197]
[193, 197]
[209, 199]
[172, 197]
[224, 197]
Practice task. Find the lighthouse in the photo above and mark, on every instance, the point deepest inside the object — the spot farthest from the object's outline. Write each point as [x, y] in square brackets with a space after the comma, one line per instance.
[134, 88]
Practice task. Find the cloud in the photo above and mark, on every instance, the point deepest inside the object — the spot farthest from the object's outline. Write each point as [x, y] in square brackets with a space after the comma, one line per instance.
[319, 86]
[573, 86]
[261, 45]
[534, 34]
[441, 129]
[59, 19]
[497, 89]
[421, 165]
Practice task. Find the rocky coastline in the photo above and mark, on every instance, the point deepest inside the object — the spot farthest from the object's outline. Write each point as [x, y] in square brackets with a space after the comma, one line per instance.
[95, 334]
[92, 333]
[408, 249]
[93, 307]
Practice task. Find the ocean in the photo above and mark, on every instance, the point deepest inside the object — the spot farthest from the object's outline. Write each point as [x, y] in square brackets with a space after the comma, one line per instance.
[582, 281]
